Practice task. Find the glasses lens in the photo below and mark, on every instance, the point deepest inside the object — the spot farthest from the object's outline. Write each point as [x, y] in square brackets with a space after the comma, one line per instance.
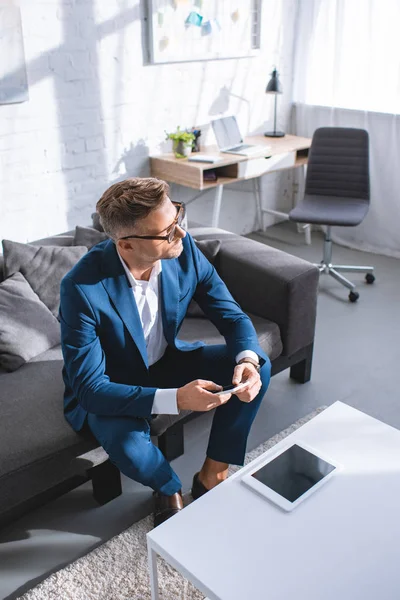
[171, 235]
[179, 219]
[181, 214]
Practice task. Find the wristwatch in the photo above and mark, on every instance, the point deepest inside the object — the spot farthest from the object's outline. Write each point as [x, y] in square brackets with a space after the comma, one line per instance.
[251, 361]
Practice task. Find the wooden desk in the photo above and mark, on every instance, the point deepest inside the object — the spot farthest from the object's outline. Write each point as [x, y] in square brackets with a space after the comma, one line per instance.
[285, 153]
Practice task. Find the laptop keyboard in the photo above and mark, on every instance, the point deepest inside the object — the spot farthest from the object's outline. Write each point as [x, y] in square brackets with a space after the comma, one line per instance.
[241, 147]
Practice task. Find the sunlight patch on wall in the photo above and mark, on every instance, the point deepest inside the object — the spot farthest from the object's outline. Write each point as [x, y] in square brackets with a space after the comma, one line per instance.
[13, 81]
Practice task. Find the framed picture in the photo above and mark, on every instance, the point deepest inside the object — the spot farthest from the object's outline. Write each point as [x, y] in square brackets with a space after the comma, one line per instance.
[189, 30]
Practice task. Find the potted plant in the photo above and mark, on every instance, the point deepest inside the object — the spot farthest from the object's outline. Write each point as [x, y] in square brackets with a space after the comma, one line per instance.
[181, 142]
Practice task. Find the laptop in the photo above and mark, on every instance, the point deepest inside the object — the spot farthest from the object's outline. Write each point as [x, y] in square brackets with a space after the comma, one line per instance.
[229, 139]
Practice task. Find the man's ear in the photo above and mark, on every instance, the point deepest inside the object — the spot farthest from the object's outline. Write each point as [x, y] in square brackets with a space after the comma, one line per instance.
[124, 245]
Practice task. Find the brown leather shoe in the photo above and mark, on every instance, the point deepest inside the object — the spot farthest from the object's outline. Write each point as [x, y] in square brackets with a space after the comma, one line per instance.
[166, 506]
[198, 489]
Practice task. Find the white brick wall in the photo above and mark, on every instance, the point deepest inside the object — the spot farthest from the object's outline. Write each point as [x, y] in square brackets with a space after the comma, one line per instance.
[95, 113]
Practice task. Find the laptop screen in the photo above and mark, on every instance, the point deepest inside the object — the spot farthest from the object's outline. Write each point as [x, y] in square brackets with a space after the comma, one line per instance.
[226, 132]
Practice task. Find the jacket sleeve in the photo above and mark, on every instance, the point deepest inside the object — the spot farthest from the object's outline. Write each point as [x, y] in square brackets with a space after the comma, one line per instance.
[220, 307]
[84, 361]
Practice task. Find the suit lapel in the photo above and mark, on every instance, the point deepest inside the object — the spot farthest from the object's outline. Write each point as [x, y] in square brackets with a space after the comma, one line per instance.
[120, 292]
[169, 298]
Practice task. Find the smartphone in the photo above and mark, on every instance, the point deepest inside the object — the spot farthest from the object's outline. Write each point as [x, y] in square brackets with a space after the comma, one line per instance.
[230, 389]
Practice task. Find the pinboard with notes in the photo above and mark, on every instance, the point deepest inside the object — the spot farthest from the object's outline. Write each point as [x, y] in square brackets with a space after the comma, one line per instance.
[191, 30]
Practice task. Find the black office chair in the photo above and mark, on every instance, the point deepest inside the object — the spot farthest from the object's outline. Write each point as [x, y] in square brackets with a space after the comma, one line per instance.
[336, 192]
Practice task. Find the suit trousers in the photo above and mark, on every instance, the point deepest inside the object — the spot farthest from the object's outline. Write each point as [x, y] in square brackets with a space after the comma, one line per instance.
[127, 439]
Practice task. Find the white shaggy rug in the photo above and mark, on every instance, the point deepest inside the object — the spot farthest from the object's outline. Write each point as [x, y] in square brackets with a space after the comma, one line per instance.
[117, 570]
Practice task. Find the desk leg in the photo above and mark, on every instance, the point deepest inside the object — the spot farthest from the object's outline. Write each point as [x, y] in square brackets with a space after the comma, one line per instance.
[306, 229]
[217, 205]
[259, 211]
[152, 558]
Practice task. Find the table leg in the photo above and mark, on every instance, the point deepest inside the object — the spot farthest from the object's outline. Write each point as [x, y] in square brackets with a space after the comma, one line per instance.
[152, 558]
[259, 212]
[217, 205]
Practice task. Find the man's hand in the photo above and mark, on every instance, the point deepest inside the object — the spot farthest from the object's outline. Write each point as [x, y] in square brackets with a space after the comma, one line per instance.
[246, 372]
[197, 397]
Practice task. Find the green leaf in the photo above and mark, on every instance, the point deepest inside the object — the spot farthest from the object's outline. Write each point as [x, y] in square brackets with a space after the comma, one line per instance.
[180, 136]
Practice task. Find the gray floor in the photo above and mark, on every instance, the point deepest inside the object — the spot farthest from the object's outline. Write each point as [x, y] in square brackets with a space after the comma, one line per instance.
[356, 360]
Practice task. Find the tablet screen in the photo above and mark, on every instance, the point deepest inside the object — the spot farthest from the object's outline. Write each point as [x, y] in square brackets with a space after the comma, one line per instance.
[293, 473]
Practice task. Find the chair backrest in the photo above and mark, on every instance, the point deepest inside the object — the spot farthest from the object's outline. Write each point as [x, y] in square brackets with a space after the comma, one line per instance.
[338, 163]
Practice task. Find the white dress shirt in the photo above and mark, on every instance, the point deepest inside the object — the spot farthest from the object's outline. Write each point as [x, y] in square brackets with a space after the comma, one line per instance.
[148, 298]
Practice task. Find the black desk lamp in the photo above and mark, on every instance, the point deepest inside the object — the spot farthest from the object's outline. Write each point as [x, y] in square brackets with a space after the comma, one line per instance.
[274, 87]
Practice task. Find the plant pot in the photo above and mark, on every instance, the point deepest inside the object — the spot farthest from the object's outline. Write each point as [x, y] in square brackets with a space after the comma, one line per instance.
[182, 149]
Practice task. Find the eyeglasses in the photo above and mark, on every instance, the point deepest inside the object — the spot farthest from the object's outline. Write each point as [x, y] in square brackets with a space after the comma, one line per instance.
[171, 230]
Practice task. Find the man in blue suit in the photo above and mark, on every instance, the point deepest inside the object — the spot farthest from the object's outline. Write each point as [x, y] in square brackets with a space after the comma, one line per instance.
[122, 306]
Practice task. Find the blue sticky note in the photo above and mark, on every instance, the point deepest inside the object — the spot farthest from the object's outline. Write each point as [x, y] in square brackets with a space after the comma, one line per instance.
[206, 28]
[210, 27]
[194, 19]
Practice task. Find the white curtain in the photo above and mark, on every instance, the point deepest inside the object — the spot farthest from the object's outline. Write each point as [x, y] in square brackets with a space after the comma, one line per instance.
[347, 74]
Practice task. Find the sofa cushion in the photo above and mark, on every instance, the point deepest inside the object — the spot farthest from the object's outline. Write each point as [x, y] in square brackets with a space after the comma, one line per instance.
[61, 239]
[27, 327]
[32, 400]
[42, 266]
[161, 423]
[203, 330]
[96, 221]
[37, 445]
[210, 249]
[87, 236]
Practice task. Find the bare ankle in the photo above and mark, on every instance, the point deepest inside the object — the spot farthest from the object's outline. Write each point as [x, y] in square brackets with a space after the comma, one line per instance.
[211, 480]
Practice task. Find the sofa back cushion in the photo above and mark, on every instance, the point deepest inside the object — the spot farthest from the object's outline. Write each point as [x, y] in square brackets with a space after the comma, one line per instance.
[42, 266]
[62, 239]
[27, 327]
[96, 222]
[210, 249]
[89, 237]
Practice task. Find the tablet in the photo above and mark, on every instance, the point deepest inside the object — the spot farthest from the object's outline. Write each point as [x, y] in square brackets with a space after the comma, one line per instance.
[291, 475]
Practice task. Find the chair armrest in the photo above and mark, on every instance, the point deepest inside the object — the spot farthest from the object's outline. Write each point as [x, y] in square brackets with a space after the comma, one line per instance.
[274, 285]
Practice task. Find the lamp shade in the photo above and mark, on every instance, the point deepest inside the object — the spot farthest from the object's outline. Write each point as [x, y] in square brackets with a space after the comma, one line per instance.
[274, 85]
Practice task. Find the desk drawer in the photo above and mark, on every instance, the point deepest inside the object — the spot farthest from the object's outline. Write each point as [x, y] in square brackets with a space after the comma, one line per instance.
[257, 166]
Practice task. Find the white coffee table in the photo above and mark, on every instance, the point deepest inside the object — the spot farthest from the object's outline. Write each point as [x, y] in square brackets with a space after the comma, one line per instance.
[342, 543]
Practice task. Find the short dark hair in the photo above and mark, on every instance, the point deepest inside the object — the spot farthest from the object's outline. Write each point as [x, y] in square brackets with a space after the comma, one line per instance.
[125, 203]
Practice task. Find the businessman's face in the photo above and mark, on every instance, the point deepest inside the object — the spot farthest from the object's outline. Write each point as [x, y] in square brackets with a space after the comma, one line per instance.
[162, 222]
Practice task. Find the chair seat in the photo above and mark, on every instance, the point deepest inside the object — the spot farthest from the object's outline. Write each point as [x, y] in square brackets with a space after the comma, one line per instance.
[329, 210]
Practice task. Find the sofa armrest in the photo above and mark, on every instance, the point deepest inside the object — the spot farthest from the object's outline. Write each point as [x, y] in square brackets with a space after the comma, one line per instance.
[274, 285]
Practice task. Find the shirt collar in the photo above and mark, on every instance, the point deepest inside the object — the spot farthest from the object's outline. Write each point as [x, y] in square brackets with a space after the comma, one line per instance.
[133, 281]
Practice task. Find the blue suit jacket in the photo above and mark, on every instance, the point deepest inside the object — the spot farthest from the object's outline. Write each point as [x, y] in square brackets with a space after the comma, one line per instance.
[105, 357]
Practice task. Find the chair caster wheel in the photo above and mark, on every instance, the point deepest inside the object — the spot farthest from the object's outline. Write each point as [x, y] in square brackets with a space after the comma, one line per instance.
[354, 296]
[369, 278]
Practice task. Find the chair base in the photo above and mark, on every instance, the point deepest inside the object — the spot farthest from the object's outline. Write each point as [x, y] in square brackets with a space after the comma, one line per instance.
[325, 266]
[333, 271]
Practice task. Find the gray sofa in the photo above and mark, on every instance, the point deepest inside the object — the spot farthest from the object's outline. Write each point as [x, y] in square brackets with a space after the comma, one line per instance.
[41, 456]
